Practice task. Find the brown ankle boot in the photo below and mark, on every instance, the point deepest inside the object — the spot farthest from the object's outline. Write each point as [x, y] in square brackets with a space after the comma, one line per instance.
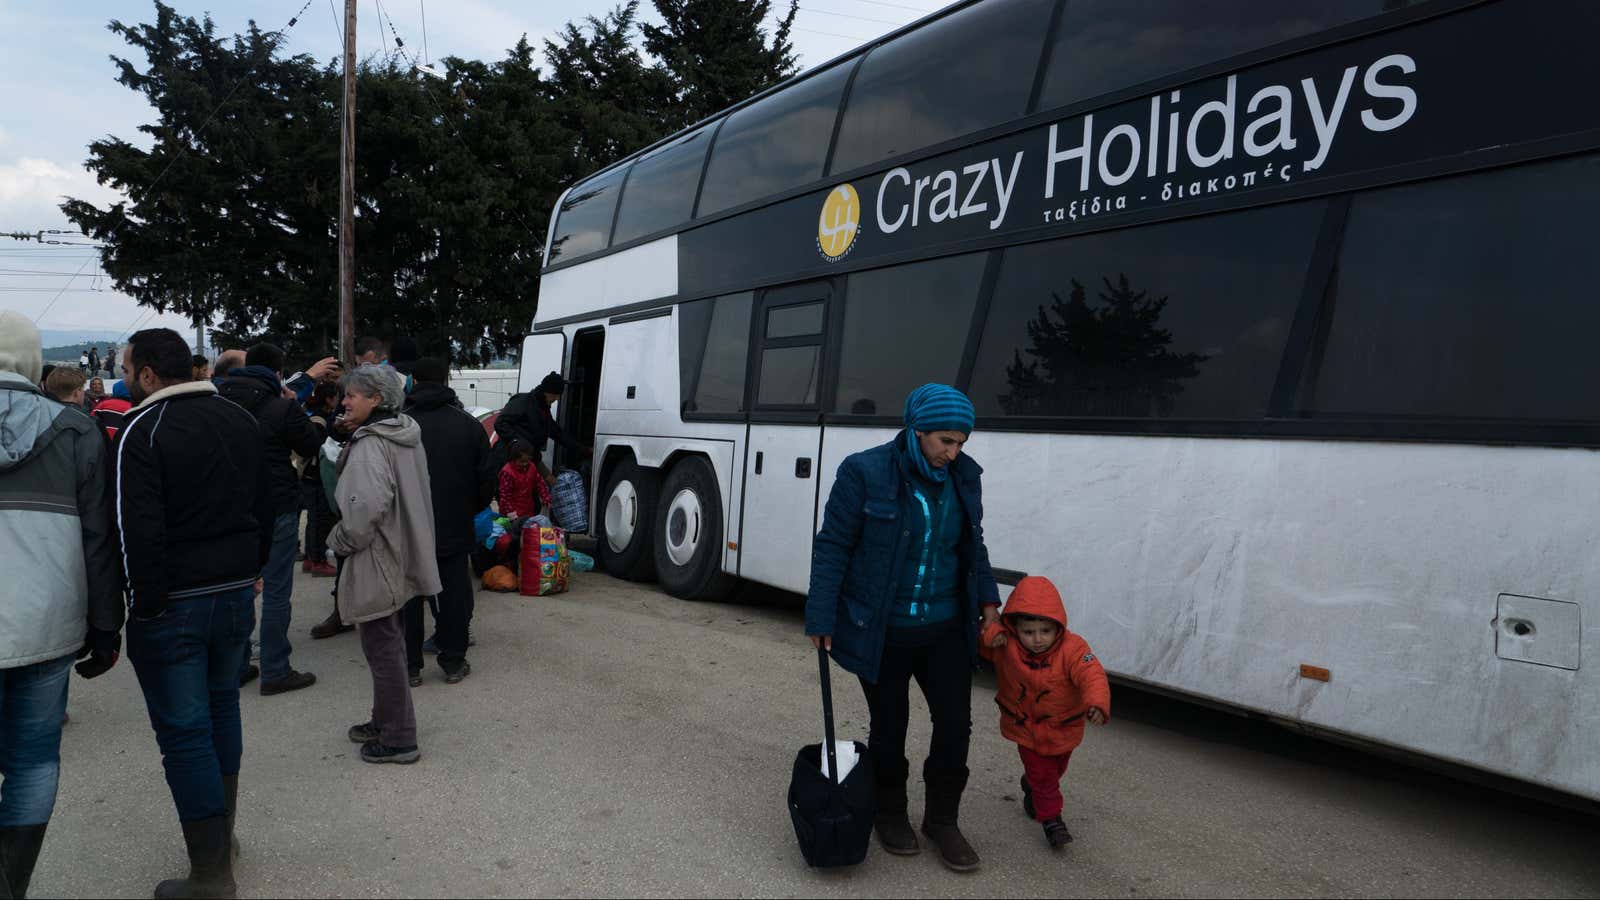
[940, 816]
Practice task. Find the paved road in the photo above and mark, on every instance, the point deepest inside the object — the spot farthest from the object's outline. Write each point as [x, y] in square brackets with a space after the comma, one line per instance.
[617, 741]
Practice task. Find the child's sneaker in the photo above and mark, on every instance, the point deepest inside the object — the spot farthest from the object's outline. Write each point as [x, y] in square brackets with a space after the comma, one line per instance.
[1027, 799]
[1055, 831]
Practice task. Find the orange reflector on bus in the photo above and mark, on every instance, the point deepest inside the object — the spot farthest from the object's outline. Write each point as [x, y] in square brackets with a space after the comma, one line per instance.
[1315, 673]
[733, 545]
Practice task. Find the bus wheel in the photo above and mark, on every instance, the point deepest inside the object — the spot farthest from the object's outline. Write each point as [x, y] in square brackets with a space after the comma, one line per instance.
[688, 533]
[627, 516]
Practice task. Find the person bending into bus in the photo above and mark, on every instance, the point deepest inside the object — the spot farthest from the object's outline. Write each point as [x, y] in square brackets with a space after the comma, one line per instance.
[900, 578]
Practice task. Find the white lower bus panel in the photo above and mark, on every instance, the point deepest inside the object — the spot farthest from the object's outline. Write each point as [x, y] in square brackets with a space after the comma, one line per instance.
[1443, 590]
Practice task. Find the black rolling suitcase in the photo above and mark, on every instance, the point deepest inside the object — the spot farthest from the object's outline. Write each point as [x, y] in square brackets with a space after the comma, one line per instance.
[832, 818]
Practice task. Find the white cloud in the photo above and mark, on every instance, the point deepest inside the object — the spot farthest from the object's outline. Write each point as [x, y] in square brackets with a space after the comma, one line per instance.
[32, 189]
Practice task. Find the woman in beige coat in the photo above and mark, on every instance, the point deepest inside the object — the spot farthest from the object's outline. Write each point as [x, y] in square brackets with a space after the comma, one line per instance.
[385, 538]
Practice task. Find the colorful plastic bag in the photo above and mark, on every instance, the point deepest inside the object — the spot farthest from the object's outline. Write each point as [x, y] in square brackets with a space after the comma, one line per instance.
[545, 565]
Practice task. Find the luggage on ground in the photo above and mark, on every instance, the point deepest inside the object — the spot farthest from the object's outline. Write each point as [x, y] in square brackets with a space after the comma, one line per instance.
[832, 816]
[570, 501]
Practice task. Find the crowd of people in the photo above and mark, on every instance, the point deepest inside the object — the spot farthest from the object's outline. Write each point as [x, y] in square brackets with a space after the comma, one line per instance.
[165, 506]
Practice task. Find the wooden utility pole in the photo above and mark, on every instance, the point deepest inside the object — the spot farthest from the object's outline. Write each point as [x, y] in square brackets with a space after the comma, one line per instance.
[347, 194]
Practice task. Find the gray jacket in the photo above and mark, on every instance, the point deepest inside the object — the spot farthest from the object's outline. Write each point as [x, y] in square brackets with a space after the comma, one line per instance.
[58, 563]
[385, 529]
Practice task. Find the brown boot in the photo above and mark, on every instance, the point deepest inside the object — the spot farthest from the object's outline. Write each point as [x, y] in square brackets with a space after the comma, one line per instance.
[329, 627]
[891, 823]
[940, 815]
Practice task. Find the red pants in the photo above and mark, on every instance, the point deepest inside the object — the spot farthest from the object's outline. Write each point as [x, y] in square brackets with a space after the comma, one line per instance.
[1043, 774]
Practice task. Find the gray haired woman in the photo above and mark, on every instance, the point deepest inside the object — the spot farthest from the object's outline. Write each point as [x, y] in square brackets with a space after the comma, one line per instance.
[385, 538]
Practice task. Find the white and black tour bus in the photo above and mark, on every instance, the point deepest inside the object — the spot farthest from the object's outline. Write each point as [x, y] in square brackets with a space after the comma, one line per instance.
[1280, 320]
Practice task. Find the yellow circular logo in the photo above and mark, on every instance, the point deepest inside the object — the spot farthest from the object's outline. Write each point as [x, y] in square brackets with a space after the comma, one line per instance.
[840, 219]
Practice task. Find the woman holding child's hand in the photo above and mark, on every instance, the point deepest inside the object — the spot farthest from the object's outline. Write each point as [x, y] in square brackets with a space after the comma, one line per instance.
[900, 580]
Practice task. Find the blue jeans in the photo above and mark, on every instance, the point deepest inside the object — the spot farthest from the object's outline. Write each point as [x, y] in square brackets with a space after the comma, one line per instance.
[276, 591]
[32, 701]
[187, 660]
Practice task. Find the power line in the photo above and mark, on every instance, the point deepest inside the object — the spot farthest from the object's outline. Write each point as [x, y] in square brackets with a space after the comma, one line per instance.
[184, 150]
[829, 12]
[917, 9]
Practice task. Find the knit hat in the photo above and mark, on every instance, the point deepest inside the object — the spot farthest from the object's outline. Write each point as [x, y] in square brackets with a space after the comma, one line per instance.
[20, 351]
[120, 390]
[939, 407]
[552, 384]
[934, 407]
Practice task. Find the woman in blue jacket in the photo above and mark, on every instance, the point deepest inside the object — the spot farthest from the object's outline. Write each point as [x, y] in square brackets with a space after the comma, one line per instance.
[900, 578]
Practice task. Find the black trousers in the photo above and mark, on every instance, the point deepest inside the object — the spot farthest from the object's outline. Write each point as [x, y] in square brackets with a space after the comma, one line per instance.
[452, 611]
[319, 520]
[936, 658]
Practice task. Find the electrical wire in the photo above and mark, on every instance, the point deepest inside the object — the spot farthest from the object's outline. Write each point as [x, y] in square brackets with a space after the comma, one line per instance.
[184, 150]
[829, 12]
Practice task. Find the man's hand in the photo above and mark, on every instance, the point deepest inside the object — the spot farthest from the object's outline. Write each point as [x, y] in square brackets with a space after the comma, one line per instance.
[821, 641]
[102, 648]
[991, 614]
[998, 641]
[324, 369]
[1095, 715]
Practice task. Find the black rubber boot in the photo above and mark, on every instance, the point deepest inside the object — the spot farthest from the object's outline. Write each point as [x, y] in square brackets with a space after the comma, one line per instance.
[210, 863]
[19, 850]
[892, 823]
[941, 816]
[230, 789]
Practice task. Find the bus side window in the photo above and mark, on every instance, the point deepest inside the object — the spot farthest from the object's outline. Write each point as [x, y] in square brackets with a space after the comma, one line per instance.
[923, 310]
[713, 346]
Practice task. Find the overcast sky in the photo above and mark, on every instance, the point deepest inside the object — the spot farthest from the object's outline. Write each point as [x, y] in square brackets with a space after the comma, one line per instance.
[58, 95]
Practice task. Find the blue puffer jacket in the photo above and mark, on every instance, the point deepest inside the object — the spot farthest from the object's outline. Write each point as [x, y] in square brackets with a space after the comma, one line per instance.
[863, 544]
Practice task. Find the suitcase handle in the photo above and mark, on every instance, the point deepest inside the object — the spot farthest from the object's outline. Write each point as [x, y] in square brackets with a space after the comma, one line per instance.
[827, 718]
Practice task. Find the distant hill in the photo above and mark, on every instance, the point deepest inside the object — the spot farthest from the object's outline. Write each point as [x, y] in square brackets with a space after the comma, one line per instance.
[68, 354]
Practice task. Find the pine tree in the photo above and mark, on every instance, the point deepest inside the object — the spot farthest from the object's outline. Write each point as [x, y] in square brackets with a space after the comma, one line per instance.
[1111, 359]
[718, 52]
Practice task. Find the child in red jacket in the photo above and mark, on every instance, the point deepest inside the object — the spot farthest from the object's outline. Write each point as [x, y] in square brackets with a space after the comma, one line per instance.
[521, 488]
[1049, 683]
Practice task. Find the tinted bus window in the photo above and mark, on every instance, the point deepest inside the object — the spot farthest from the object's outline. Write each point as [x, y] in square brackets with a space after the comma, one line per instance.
[1185, 320]
[923, 312]
[1105, 45]
[774, 144]
[713, 344]
[1469, 297]
[660, 192]
[965, 72]
[584, 222]
[789, 376]
[794, 321]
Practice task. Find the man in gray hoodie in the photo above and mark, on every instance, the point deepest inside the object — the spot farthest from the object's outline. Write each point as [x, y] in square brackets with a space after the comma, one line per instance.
[61, 596]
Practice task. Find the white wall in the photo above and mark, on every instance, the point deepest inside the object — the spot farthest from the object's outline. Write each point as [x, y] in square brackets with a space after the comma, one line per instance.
[488, 388]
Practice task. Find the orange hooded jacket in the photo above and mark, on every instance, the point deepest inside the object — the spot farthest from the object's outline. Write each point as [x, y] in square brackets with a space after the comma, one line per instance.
[1043, 697]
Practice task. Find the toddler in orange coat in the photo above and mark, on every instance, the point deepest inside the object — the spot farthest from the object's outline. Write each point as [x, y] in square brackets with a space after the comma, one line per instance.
[1049, 683]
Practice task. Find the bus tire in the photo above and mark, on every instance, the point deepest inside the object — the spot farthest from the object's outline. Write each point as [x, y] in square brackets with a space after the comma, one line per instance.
[627, 517]
[689, 533]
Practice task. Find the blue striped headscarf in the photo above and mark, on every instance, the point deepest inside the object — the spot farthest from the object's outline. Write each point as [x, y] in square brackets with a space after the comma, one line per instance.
[935, 407]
